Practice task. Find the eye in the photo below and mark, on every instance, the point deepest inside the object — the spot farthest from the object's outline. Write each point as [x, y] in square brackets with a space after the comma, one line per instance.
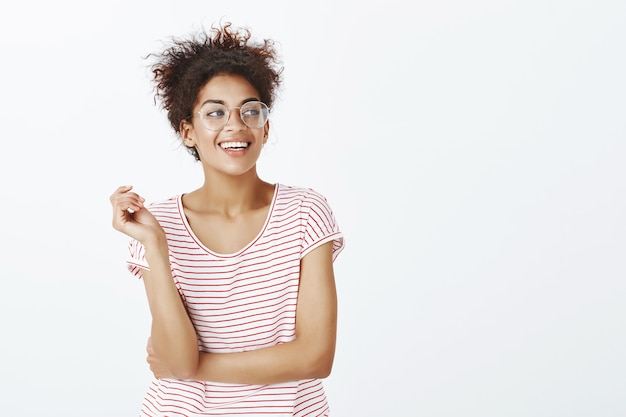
[253, 112]
[215, 113]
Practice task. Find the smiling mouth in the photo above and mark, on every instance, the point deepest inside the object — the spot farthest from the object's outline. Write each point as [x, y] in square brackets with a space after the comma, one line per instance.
[234, 145]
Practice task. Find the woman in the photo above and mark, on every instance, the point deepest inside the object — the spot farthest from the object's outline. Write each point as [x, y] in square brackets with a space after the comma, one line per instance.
[238, 273]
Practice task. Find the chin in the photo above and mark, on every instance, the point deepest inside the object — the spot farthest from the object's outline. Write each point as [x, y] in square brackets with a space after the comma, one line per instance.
[237, 171]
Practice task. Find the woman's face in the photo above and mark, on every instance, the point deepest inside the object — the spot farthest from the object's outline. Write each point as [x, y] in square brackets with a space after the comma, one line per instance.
[235, 149]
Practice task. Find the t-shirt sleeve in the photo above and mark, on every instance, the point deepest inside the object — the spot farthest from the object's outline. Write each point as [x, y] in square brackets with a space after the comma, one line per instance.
[136, 258]
[320, 226]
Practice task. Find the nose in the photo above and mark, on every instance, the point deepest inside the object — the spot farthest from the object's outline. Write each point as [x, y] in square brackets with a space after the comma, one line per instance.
[234, 121]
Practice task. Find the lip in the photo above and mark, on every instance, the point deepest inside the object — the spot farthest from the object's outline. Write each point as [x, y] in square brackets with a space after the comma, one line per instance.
[235, 152]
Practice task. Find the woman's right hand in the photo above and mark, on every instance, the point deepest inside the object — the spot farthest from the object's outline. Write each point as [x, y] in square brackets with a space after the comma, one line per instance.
[132, 218]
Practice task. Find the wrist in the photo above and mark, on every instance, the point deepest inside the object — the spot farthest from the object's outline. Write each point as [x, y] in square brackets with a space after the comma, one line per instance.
[156, 246]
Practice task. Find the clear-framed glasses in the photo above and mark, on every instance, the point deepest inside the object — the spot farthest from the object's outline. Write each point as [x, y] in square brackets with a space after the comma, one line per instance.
[253, 114]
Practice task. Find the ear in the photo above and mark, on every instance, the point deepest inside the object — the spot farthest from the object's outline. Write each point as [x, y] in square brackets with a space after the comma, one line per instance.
[266, 132]
[187, 133]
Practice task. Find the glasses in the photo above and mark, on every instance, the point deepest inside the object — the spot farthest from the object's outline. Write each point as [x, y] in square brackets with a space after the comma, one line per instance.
[253, 114]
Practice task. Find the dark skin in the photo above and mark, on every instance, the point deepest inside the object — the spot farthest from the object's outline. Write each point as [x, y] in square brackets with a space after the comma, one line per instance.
[232, 204]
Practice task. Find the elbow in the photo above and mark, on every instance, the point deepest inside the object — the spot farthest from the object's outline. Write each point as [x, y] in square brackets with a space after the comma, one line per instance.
[322, 372]
[315, 357]
[320, 365]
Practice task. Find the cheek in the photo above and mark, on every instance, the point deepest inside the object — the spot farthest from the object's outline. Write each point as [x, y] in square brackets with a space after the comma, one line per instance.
[205, 139]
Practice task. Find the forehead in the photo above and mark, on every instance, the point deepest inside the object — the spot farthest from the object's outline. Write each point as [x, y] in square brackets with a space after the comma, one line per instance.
[229, 88]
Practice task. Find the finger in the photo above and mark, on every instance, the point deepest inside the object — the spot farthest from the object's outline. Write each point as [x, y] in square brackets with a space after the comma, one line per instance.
[127, 200]
[120, 190]
[131, 203]
[124, 212]
[123, 190]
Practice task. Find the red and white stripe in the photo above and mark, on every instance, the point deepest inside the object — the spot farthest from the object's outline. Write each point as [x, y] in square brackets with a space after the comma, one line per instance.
[242, 301]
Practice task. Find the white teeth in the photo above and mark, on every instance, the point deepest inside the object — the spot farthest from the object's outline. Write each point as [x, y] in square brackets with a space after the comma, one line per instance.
[231, 145]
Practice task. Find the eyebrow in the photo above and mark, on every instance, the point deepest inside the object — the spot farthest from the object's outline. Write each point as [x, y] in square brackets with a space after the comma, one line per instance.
[224, 103]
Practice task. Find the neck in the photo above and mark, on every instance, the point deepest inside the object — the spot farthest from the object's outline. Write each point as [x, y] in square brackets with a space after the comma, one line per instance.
[231, 195]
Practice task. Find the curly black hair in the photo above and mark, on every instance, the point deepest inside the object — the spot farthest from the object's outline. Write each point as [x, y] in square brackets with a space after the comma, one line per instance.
[185, 65]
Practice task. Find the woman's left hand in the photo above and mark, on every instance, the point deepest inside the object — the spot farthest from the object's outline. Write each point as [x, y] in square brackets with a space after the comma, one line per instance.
[157, 367]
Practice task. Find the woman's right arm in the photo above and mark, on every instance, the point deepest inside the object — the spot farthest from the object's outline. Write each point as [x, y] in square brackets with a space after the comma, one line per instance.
[172, 336]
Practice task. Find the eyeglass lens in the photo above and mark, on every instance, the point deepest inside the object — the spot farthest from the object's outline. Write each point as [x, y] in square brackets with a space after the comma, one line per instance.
[253, 114]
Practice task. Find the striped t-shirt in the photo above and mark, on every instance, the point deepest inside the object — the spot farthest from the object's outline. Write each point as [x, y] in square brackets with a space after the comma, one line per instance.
[242, 301]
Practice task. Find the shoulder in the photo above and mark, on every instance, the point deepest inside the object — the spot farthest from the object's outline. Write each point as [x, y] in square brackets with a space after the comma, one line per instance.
[164, 207]
[305, 195]
[309, 202]
[316, 218]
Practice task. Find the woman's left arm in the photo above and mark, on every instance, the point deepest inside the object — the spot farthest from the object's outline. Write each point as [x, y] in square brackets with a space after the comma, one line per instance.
[310, 355]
